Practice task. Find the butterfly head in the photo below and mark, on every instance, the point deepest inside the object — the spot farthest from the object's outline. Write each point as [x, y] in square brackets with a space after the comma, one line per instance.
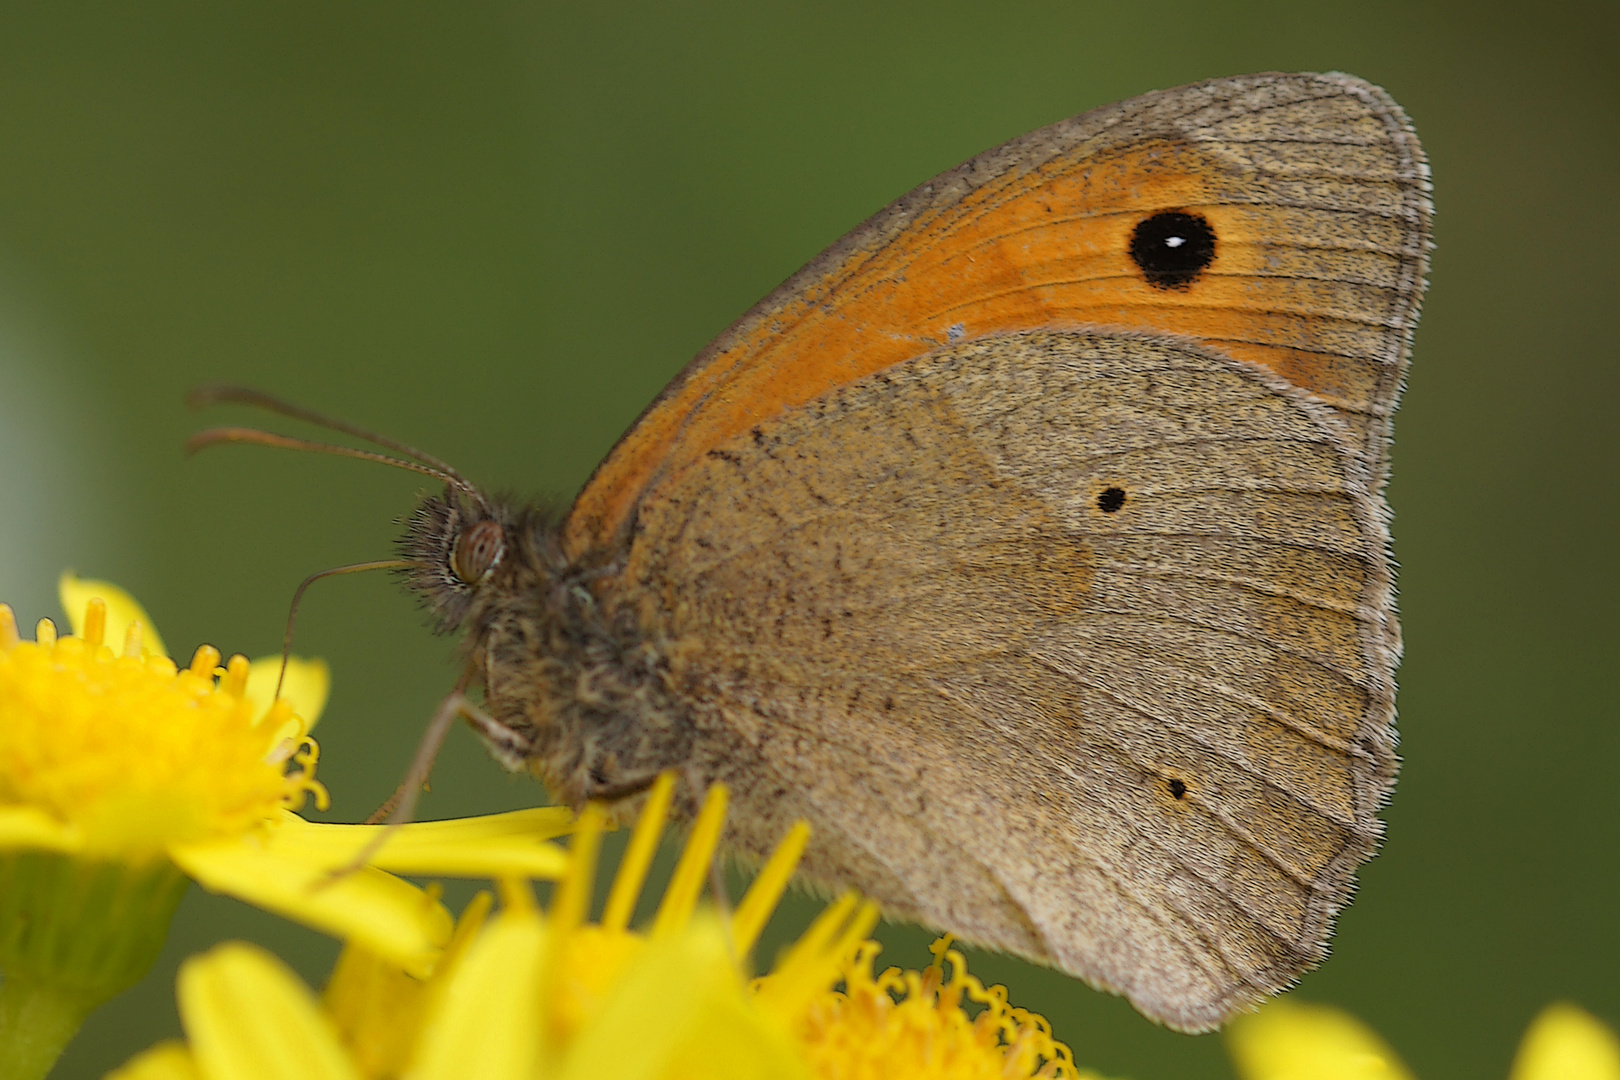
[461, 550]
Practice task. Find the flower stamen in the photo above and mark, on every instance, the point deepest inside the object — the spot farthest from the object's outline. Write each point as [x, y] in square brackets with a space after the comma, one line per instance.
[234, 679]
[95, 623]
[132, 641]
[301, 784]
[204, 661]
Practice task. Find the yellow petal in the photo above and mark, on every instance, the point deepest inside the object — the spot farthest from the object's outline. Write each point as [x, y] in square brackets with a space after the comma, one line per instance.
[389, 916]
[638, 854]
[168, 1060]
[1290, 1040]
[680, 895]
[682, 1011]
[496, 845]
[31, 827]
[484, 1025]
[810, 965]
[769, 885]
[306, 686]
[378, 1009]
[1567, 1043]
[76, 592]
[249, 1018]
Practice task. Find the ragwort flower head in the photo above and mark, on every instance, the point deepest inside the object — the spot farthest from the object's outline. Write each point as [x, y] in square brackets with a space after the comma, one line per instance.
[531, 995]
[122, 775]
[120, 755]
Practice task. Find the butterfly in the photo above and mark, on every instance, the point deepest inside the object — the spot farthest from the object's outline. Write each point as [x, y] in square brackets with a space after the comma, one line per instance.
[1029, 543]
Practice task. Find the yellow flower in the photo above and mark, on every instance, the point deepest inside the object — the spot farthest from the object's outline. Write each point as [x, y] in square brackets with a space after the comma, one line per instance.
[122, 775]
[1291, 1040]
[910, 1023]
[524, 995]
[122, 756]
[1567, 1043]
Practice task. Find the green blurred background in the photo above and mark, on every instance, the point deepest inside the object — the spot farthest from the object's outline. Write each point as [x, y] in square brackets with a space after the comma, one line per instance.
[495, 230]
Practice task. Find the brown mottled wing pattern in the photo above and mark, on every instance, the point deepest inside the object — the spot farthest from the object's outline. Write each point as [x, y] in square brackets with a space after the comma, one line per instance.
[1057, 600]
[1145, 744]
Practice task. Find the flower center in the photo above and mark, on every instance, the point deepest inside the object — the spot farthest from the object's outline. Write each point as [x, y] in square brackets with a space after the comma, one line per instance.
[133, 754]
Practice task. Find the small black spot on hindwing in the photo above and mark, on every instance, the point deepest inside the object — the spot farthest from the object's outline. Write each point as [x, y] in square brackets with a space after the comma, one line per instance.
[1111, 499]
[1172, 248]
[1177, 788]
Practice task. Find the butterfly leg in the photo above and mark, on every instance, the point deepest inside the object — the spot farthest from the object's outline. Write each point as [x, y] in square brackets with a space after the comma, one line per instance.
[401, 805]
[607, 791]
[506, 745]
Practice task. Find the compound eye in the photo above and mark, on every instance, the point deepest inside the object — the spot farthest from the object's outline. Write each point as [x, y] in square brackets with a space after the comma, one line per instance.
[478, 551]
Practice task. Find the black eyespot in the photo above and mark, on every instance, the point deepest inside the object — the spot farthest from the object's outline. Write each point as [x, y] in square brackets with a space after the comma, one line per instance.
[1178, 789]
[1172, 248]
[1111, 499]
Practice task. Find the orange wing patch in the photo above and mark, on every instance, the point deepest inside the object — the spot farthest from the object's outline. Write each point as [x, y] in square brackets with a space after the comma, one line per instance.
[1314, 277]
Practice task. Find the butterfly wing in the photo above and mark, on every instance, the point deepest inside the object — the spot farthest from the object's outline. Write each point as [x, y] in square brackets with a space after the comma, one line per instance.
[1074, 640]
[1315, 189]
[1074, 644]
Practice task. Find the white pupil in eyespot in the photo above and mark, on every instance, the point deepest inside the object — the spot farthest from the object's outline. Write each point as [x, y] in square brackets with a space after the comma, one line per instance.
[1174, 241]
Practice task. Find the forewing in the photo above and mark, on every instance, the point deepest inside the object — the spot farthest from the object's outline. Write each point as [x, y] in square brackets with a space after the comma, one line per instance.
[1317, 192]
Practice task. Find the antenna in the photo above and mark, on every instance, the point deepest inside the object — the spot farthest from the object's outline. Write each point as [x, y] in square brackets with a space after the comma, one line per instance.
[216, 393]
[400, 807]
[420, 461]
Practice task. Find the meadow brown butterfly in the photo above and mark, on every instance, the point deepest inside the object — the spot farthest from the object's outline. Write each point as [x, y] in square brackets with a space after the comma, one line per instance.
[1029, 543]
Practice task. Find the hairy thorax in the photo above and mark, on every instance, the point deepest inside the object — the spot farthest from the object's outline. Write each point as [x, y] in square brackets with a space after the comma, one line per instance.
[577, 685]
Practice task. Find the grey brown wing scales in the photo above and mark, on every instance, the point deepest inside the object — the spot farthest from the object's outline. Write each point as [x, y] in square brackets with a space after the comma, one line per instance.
[1077, 644]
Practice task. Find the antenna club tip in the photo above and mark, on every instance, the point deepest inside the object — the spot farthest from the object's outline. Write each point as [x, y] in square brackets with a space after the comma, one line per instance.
[200, 397]
[202, 440]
